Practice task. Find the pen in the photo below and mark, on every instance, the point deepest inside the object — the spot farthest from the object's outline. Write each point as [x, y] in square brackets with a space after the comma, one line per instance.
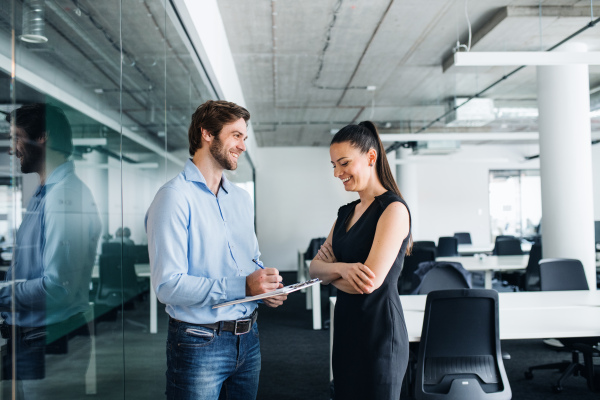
[260, 265]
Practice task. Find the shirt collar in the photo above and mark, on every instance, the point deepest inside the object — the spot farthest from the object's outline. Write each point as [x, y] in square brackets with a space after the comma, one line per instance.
[56, 176]
[193, 174]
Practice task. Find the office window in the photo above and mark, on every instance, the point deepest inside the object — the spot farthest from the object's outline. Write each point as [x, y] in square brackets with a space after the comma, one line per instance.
[515, 203]
[120, 80]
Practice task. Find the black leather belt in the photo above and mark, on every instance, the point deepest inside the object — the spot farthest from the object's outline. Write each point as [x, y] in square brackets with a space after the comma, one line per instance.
[238, 327]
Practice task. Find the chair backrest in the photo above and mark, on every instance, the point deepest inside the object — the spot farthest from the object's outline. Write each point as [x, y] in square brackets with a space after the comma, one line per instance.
[117, 273]
[411, 263]
[463, 237]
[459, 354]
[434, 275]
[508, 246]
[532, 272]
[141, 254]
[425, 244]
[562, 274]
[313, 248]
[109, 248]
[447, 246]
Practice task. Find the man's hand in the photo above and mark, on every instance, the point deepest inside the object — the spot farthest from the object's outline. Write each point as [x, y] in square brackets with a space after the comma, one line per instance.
[262, 281]
[275, 301]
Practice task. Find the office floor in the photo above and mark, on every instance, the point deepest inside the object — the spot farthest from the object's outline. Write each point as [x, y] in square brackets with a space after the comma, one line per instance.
[295, 359]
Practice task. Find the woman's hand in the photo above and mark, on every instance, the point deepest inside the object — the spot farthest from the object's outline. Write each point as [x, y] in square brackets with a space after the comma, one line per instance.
[359, 276]
[326, 253]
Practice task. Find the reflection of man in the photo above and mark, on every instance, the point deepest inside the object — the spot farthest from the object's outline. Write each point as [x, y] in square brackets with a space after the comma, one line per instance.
[202, 245]
[55, 244]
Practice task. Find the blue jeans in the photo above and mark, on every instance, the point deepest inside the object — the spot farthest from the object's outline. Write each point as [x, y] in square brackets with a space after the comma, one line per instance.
[203, 364]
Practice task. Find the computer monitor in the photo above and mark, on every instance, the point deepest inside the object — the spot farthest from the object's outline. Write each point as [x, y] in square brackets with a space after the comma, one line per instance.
[597, 226]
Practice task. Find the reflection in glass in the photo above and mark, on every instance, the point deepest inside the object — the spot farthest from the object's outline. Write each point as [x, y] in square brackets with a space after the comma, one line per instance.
[45, 298]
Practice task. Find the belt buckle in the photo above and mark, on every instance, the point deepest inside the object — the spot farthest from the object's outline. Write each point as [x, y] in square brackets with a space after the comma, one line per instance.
[241, 322]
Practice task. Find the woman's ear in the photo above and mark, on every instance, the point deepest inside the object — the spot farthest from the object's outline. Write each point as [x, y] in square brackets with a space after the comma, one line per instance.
[372, 155]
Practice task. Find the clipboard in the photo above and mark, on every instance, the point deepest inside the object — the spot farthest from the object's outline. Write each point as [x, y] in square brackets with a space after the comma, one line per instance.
[277, 292]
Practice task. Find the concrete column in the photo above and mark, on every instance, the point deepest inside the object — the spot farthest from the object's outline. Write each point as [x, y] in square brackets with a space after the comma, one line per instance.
[406, 177]
[566, 164]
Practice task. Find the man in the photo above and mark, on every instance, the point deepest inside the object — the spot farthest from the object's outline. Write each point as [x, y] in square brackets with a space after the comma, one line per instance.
[202, 245]
[54, 252]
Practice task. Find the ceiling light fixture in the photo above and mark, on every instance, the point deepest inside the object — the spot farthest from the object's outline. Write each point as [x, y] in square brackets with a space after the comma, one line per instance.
[33, 21]
[507, 58]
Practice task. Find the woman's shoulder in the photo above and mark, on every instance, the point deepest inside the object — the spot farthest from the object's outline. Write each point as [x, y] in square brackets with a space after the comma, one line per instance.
[388, 198]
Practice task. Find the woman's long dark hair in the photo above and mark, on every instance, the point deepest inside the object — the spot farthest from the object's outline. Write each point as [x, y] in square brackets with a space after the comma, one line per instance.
[365, 137]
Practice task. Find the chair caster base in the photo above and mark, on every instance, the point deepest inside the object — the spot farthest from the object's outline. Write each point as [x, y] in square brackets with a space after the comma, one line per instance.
[557, 389]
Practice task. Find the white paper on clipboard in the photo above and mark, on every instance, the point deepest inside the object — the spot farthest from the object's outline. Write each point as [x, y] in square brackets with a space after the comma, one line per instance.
[283, 290]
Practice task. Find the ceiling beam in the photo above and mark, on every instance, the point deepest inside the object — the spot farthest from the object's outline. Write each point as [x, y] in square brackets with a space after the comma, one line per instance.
[516, 58]
[463, 137]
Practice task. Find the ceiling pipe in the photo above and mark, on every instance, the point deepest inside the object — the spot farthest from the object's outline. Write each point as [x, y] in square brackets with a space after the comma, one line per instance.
[397, 145]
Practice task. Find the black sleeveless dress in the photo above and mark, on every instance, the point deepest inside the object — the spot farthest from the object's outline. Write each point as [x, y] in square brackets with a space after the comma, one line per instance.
[370, 342]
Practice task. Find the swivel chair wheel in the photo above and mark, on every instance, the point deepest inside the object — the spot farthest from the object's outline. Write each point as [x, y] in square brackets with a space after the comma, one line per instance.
[557, 389]
[528, 375]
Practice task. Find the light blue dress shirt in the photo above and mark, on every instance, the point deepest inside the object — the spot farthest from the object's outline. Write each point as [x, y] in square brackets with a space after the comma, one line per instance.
[201, 247]
[54, 253]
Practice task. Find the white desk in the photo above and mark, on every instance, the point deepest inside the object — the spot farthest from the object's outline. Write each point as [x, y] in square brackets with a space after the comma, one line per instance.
[487, 248]
[523, 315]
[470, 249]
[142, 270]
[489, 264]
[313, 299]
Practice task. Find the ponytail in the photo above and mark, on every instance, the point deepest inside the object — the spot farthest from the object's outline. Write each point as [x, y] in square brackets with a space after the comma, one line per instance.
[382, 165]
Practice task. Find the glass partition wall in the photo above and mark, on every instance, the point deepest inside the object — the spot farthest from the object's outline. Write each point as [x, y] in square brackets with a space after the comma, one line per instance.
[96, 101]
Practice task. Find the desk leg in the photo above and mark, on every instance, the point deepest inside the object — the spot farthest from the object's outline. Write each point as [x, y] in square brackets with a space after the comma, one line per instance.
[331, 308]
[91, 386]
[315, 294]
[488, 279]
[153, 327]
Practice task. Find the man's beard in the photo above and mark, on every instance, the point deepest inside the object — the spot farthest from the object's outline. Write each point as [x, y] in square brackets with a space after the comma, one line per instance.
[32, 159]
[221, 155]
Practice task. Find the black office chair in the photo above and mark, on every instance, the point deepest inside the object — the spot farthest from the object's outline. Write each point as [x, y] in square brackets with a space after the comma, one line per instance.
[530, 279]
[447, 246]
[442, 275]
[591, 371]
[411, 263]
[425, 244]
[564, 274]
[459, 354]
[118, 283]
[141, 254]
[507, 246]
[463, 237]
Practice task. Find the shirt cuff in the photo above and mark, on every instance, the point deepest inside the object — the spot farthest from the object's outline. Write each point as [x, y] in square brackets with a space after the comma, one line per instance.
[236, 288]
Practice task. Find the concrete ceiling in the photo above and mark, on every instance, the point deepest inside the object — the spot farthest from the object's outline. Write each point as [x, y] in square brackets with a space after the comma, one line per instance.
[306, 67]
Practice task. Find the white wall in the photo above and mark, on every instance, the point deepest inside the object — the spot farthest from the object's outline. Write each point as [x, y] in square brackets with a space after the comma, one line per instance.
[596, 179]
[297, 196]
[297, 199]
[453, 190]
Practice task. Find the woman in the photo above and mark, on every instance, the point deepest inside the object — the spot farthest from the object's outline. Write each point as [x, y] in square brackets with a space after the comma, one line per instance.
[362, 257]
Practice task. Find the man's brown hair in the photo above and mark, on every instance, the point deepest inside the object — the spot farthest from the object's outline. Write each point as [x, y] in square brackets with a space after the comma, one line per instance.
[211, 116]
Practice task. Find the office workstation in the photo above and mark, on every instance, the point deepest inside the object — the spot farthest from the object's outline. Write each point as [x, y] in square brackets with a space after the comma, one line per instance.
[504, 146]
